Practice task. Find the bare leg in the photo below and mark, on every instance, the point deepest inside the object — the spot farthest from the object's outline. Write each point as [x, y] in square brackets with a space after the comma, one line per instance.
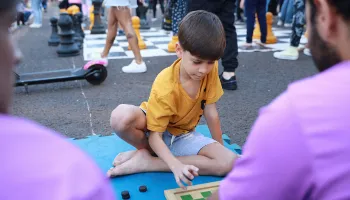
[112, 32]
[124, 17]
[122, 157]
[213, 159]
[129, 122]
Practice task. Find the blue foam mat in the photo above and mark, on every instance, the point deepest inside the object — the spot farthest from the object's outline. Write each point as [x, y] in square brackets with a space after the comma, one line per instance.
[103, 150]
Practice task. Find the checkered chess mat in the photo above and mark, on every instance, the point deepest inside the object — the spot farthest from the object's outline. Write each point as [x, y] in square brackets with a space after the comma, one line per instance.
[157, 41]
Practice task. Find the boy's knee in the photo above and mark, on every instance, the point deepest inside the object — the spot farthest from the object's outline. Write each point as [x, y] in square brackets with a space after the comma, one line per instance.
[224, 166]
[120, 118]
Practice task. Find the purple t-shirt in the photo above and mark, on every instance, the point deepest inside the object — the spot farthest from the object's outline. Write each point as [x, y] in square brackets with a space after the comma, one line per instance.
[299, 147]
[37, 163]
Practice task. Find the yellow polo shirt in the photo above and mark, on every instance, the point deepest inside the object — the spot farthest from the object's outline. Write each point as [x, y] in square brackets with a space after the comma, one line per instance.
[170, 108]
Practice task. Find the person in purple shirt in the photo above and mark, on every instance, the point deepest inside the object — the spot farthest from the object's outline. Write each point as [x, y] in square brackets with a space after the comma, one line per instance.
[37, 163]
[299, 147]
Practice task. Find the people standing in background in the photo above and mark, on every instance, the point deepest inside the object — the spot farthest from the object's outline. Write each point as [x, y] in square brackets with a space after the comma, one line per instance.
[75, 3]
[154, 7]
[224, 9]
[286, 13]
[38, 17]
[292, 52]
[251, 8]
[63, 4]
[24, 15]
[44, 4]
[239, 12]
[179, 11]
[120, 12]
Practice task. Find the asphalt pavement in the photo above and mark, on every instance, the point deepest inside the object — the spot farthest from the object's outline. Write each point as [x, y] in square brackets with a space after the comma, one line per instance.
[77, 109]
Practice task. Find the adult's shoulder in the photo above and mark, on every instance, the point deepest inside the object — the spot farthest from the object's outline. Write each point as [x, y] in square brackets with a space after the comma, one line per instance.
[38, 155]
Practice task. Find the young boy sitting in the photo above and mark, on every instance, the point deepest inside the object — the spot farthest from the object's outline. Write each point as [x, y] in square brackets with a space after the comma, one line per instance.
[180, 95]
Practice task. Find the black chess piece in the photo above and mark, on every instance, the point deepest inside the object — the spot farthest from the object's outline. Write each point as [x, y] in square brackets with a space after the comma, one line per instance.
[77, 30]
[143, 188]
[98, 27]
[54, 38]
[67, 45]
[141, 12]
[125, 194]
[80, 21]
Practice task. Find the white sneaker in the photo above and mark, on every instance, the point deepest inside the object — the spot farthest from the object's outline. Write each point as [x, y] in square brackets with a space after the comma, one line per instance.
[279, 23]
[307, 52]
[289, 54]
[35, 25]
[133, 67]
[288, 25]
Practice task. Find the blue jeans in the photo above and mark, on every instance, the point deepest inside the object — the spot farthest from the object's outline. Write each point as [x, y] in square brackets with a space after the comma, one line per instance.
[287, 11]
[26, 15]
[36, 6]
[44, 3]
[267, 5]
[259, 7]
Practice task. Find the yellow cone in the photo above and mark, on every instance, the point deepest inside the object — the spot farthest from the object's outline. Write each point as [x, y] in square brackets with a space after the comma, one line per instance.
[306, 33]
[256, 33]
[172, 43]
[271, 38]
[73, 9]
[92, 17]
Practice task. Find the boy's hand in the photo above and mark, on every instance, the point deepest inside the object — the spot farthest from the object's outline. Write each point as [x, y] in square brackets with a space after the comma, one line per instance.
[184, 173]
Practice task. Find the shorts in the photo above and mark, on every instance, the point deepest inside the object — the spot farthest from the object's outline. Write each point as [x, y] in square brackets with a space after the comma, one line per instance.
[186, 144]
[121, 3]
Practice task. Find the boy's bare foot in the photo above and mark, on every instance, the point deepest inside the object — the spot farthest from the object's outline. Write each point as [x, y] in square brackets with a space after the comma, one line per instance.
[140, 162]
[123, 157]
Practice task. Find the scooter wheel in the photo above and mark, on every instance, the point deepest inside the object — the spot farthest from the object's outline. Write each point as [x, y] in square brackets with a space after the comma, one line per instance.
[96, 76]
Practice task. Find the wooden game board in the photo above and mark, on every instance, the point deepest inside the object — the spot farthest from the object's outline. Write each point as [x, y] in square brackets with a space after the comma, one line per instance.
[197, 192]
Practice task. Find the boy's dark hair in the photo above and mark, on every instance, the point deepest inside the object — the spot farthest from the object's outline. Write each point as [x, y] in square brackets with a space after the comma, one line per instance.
[201, 33]
[6, 5]
[342, 7]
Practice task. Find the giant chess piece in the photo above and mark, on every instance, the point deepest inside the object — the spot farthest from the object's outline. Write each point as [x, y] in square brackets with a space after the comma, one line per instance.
[54, 38]
[77, 30]
[72, 10]
[257, 33]
[98, 27]
[172, 43]
[67, 45]
[141, 12]
[92, 19]
[270, 38]
[80, 21]
[306, 34]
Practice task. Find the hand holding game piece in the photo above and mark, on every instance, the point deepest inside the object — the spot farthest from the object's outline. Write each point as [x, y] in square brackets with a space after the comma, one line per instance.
[184, 173]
